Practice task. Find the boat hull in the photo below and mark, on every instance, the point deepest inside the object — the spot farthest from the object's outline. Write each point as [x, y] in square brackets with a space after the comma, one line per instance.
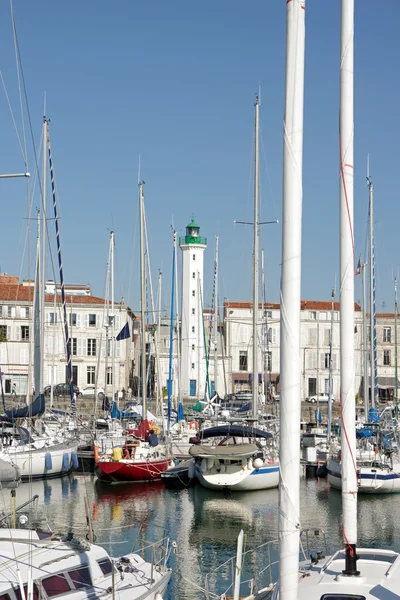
[371, 480]
[241, 480]
[36, 464]
[125, 470]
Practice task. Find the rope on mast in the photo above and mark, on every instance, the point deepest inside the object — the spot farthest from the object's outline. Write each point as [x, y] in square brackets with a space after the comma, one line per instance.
[66, 332]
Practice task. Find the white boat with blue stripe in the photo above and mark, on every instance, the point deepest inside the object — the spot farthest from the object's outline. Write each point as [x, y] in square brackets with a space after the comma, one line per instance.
[239, 458]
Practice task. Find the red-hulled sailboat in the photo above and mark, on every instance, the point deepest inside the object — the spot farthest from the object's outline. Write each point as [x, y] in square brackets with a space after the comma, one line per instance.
[143, 457]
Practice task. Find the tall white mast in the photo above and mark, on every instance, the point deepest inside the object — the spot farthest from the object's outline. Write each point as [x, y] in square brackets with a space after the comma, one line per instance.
[216, 317]
[365, 341]
[112, 338]
[347, 359]
[43, 241]
[290, 362]
[255, 256]
[143, 303]
[372, 316]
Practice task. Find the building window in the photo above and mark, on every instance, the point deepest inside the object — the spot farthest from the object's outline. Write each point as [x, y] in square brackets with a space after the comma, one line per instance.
[386, 358]
[327, 337]
[268, 357]
[193, 330]
[53, 318]
[3, 333]
[74, 346]
[109, 375]
[9, 311]
[243, 360]
[24, 332]
[194, 275]
[271, 335]
[90, 376]
[312, 336]
[1, 310]
[312, 315]
[25, 311]
[193, 311]
[166, 342]
[268, 314]
[387, 335]
[326, 360]
[92, 320]
[192, 365]
[91, 347]
[72, 319]
[194, 257]
[193, 293]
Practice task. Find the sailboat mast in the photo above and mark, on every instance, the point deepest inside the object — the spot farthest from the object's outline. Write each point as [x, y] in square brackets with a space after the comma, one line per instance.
[330, 380]
[216, 317]
[365, 341]
[290, 363]
[347, 359]
[43, 242]
[395, 349]
[374, 375]
[112, 321]
[142, 303]
[255, 256]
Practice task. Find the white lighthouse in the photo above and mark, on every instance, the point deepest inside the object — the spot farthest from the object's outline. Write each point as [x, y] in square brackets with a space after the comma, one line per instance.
[193, 376]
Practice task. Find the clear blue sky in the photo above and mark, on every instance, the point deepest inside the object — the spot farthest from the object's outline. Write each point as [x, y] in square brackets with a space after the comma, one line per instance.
[174, 82]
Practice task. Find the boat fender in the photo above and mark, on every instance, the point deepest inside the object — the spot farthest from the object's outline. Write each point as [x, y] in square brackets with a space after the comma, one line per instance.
[48, 463]
[210, 463]
[66, 462]
[203, 466]
[96, 453]
[258, 463]
[250, 464]
[191, 471]
[193, 425]
[74, 459]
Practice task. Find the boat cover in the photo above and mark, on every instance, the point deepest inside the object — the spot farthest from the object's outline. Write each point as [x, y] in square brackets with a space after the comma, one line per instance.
[30, 410]
[229, 451]
[233, 431]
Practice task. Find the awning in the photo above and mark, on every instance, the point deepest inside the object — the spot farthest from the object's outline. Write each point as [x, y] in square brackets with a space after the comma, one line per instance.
[384, 383]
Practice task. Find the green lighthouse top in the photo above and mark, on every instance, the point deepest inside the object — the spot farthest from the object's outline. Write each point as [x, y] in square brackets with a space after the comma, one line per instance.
[192, 235]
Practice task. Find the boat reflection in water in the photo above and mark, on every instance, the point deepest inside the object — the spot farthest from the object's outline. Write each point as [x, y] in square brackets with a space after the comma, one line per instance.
[204, 523]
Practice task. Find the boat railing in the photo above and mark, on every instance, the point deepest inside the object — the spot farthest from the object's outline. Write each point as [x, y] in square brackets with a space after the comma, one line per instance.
[254, 573]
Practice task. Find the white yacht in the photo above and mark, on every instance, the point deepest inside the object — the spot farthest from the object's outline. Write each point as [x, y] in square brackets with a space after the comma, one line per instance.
[42, 565]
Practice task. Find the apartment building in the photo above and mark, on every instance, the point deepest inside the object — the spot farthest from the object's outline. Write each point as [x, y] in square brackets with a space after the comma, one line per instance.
[92, 330]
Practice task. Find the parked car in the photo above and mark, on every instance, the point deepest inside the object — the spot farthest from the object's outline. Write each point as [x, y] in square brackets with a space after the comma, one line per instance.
[320, 398]
[60, 389]
[89, 391]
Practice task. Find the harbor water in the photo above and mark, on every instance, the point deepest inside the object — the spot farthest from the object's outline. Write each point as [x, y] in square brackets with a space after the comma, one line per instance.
[204, 524]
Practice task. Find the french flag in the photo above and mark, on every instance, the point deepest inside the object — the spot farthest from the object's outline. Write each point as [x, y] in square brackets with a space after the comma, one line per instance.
[358, 269]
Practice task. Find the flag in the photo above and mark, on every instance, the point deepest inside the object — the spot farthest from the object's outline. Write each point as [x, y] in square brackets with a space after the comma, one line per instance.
[358, 269]
[124, 333]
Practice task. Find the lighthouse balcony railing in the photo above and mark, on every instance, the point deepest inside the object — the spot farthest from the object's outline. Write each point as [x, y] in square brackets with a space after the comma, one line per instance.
[190, 239]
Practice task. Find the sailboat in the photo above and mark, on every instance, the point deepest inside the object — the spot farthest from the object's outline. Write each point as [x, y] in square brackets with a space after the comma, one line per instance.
[241, 457]
[143, 457]
[351, 572]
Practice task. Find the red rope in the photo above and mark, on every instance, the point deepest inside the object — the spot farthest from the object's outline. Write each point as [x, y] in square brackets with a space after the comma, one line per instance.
[348, 547]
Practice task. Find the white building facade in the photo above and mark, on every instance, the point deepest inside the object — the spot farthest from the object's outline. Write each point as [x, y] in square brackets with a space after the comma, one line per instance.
[86, 316]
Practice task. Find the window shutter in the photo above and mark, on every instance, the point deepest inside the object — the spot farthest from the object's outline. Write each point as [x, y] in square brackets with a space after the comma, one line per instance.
[79, 347]
[322, 360]
[8, 332]
[274, 336]
[117, 322]
[334, 367]
[18, 332]
[78, 320]
[117, 349]
[86, 320]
